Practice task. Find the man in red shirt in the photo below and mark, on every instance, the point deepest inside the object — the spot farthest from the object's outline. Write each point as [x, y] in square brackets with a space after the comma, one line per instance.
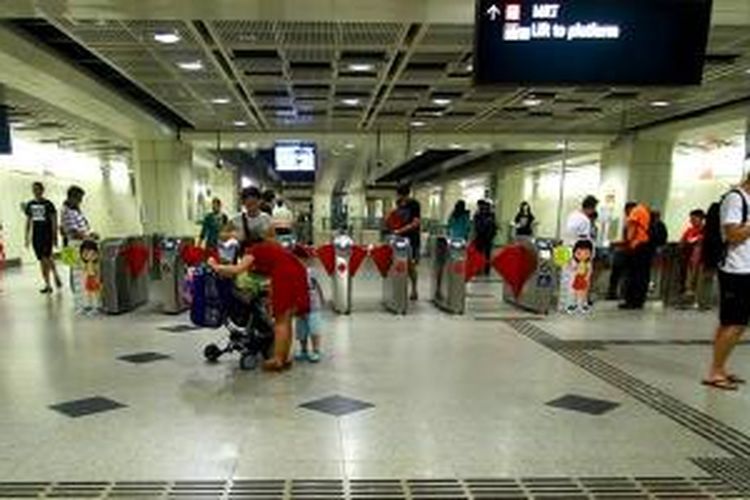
[691, 242]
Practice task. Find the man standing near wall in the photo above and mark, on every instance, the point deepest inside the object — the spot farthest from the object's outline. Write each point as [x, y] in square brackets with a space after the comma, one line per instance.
[640, 254]
[41, 234]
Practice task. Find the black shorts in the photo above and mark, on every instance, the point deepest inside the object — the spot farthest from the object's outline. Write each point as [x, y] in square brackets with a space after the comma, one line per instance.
[734, 290]
[42, 247]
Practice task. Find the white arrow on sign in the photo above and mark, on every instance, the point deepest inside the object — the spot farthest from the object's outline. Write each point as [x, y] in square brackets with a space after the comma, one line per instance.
[493, 12]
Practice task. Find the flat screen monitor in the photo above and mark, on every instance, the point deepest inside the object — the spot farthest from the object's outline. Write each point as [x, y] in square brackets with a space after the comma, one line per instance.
[577, 42]
[295, 156]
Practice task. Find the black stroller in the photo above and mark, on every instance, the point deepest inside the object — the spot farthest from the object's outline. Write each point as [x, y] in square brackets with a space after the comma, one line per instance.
[250, 330]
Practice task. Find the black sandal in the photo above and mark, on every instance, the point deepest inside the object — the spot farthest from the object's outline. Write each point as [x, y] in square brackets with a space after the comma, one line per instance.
[736, 379]
[725, 384]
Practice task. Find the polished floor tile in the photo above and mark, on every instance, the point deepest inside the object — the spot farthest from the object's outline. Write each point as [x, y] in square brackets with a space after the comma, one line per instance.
[453, 396]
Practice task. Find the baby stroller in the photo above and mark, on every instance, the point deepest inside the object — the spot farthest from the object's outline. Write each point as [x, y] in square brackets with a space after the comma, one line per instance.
[241, 309]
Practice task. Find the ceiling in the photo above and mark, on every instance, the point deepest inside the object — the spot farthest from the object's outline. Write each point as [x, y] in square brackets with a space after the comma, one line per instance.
[42, 122]
[357, 76]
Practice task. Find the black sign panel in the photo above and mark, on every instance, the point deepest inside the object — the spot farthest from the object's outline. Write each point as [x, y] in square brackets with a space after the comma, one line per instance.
[5, 144]
[617, 42]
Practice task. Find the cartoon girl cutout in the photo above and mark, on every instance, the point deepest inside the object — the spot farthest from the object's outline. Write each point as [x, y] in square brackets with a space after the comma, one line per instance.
[583, 253]
[91, 276]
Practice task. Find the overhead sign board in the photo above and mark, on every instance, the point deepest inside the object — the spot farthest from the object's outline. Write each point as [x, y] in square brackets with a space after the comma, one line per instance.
[618, 42]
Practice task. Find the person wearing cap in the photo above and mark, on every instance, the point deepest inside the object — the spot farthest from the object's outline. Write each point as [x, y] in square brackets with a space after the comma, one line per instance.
[579, 225]
[252, 225]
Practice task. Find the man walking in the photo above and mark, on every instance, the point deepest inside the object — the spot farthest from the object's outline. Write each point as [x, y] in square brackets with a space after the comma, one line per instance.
[734, 285]
[407, 224]
[41, 234]
[212, 225]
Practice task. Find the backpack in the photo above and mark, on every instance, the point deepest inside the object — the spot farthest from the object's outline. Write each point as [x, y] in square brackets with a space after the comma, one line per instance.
[714, 248]
[657, 234]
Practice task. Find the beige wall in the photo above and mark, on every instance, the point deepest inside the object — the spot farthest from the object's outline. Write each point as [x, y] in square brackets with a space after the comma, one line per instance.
[109, 205]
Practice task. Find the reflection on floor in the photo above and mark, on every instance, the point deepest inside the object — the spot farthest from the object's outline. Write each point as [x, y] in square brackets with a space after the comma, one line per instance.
[599, 403]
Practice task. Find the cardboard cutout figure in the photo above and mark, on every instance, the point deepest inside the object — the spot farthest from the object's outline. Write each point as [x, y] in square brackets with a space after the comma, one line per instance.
[91, 277]
[576, 279]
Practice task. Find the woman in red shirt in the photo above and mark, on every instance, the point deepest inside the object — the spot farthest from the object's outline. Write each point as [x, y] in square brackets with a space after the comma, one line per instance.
[289, 293]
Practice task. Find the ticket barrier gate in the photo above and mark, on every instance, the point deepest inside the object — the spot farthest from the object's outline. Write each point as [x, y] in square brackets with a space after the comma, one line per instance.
[172, 273]
[114, 298]
[342, 277]
[540, 292]
[396, 282]
[122, 290]
[138, 282]
[448, 274]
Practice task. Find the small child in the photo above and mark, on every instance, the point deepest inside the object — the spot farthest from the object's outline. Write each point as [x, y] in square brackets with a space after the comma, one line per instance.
[308, 327]
[229, 246]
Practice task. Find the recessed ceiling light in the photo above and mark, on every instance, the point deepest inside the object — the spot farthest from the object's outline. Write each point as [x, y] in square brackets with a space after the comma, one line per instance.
[660, 104]
[167, 37]
[531, 102]
[455, 146]
[469, 67]
[418, 123]
[350, 146]
[242, 145]
[441, 102]
[350, 101]
[191, 65]
[220, 100]
[560, 145]
[361, 67]
[240, 123]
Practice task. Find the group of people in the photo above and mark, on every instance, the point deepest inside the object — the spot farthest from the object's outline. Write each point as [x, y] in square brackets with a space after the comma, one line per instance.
[295, 290]
[44, 229]
[644, 233]
[481, 230]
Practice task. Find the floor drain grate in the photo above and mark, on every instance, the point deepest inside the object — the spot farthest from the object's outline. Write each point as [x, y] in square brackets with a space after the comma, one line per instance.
[728, 481]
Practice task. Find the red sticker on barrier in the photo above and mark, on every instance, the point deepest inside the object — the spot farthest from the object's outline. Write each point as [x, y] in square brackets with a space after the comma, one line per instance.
[400, 267]
[459, 268]
[327, 257]
[341, 268]
[515, 263]
[382, 256]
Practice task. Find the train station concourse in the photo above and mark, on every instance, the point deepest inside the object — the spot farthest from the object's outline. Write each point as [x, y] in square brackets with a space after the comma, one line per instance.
[351, 249]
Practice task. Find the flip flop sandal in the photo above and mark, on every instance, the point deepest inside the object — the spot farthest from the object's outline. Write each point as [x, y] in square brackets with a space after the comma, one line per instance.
[735, 379]
[723, 384]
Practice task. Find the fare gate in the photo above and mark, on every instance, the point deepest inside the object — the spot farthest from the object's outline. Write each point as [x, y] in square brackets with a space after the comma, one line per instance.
[449, 274]
[396, 281]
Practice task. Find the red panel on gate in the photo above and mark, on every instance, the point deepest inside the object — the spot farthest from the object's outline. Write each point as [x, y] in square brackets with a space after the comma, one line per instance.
[136, 257]
[327, 257]
[475, 262]
[359, 254]
[382, 256]
[515, 263]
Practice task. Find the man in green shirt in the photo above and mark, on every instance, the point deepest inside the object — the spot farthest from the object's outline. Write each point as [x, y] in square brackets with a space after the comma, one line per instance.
[212, 224]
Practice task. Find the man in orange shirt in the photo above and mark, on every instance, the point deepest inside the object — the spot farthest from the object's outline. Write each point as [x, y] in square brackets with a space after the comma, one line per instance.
[640, 255]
